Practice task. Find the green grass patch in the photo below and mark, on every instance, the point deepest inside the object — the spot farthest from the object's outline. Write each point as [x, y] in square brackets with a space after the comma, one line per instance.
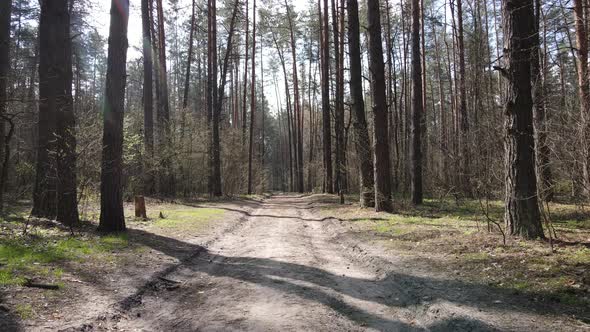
[27, 257]
[188, 218]
[24, 310]
[476, 257]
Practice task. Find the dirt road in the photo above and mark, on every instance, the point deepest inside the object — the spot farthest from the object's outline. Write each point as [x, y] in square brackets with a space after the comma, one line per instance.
[283, 269]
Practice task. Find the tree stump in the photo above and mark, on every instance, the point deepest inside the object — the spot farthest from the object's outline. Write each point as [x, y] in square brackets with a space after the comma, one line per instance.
[140, 211]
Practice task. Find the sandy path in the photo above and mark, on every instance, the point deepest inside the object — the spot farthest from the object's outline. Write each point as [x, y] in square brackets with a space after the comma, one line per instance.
[281, 270]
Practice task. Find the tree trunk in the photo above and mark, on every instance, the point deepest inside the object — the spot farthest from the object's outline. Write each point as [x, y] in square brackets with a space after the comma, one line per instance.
[218, 103]
[189, 59]
[5, 12]
[339, 107]
[244, 103]
[583, 90]
[297, 106]
[45, 192]
[327, 131]
[522, 209]
[539, 113]
[382, 173]
[148, 98]
[165, 178]
[112, 218]
[252, 98]
[67, 200]
[140, 211]
[463, 118]
[417, 109]
[362, 142]
[288, 107]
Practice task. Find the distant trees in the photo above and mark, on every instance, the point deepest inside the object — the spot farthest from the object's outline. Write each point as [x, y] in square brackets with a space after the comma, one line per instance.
[112, 218]
[222, 128]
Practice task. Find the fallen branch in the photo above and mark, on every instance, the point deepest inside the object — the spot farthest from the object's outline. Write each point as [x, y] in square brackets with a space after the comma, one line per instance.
[169, 280]
[32, 284]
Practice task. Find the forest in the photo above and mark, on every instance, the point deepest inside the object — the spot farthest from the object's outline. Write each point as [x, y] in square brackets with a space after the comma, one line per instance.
[323, 165]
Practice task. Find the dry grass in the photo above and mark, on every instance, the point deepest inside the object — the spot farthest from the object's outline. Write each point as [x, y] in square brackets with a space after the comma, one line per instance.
[455, 238]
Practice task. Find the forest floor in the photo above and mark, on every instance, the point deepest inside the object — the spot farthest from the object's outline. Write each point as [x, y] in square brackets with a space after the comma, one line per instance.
[291, 262]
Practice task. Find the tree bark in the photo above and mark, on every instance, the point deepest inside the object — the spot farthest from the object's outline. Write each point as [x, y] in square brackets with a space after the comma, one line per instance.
[148, 97]
[45, 192]
[583, 90]
[218, 104]
[362, 142]
[417, 109]
[464, 156]
[252, 98]
[326, 125]
[539, 113]
[522, 209]
[112, 218]
[297, 106]
[5, 15]
[244, 103]
[67, 200]
[166, 180]
[339, 106]
[189, 58]
[382, 174]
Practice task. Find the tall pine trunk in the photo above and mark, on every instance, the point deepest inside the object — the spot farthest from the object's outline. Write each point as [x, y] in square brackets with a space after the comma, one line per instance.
[148, 97]
[189, 59]
[45, 191]
[583, 90]
[539, 112]
[5, 12]
[339, 107]
[382, 174]
[325, 78]
[67, 200]
[166, 177]
[244, 100]
[252, 99]
[522, 209]
[417, 109]
[218, 106]
[362, 142]
[464, 156]
[297, 105]
[215, 161]
[112, 218]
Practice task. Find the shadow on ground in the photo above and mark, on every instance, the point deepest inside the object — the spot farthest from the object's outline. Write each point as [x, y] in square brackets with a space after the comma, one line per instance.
[394, 290]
